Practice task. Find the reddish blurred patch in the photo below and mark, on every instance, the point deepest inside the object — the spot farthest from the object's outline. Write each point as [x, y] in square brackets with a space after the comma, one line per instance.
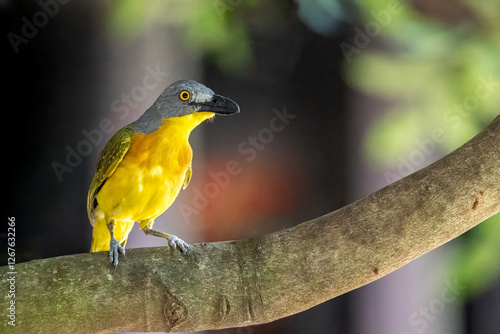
[262, 198]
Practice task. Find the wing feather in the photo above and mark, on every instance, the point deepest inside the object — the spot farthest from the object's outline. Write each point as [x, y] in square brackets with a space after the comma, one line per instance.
[110, 158]
[187, 176]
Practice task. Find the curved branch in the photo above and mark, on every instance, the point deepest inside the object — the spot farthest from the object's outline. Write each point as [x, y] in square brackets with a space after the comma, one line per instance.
[253, 281]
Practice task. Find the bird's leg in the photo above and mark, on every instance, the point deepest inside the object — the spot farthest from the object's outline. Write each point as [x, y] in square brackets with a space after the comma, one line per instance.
[114, 246]
[173, 241]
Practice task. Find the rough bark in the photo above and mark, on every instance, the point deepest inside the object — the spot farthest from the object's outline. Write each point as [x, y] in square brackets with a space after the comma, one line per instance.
[253, 281]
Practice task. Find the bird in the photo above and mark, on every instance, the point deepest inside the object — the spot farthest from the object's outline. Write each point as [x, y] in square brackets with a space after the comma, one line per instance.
[145, 164]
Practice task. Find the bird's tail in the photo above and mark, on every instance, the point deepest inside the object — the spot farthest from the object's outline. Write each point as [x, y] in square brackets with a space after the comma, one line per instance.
[101, 237]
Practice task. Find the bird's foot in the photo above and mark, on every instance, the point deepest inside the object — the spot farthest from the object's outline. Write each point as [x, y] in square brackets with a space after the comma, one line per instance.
[172, 240]
[114, 251]
[175, 242]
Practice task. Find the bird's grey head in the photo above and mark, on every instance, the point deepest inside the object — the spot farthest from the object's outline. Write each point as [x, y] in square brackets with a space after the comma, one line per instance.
[182, 98]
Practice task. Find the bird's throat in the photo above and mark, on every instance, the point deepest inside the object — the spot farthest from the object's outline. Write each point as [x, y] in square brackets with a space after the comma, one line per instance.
[171, 136]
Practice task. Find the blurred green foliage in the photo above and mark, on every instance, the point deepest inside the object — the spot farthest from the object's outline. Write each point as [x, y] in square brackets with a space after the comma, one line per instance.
[434, 73]
[207, 27]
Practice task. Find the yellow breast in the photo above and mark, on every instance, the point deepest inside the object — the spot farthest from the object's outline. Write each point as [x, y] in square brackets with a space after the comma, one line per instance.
[151, 174]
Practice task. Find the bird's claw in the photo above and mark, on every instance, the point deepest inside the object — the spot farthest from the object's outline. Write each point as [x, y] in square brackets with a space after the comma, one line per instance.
[114, 251]
[174, 242]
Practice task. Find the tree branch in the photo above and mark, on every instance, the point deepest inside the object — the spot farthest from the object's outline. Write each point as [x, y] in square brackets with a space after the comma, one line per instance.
[253, 281]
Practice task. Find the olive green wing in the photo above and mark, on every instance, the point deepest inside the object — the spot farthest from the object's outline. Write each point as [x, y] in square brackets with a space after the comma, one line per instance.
[110, 158]
[187, 176]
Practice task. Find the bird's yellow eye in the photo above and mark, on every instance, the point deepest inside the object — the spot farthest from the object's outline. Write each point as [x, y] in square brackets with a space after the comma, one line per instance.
[184, 95]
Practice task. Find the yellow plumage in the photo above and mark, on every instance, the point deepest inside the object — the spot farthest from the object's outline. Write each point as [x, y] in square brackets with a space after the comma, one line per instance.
[139, 176]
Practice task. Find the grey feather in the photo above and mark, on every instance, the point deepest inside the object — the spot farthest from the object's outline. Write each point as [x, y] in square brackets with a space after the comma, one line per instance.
[170, 105]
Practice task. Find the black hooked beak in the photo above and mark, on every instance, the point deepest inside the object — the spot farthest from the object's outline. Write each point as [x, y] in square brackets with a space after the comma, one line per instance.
[220, 105]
